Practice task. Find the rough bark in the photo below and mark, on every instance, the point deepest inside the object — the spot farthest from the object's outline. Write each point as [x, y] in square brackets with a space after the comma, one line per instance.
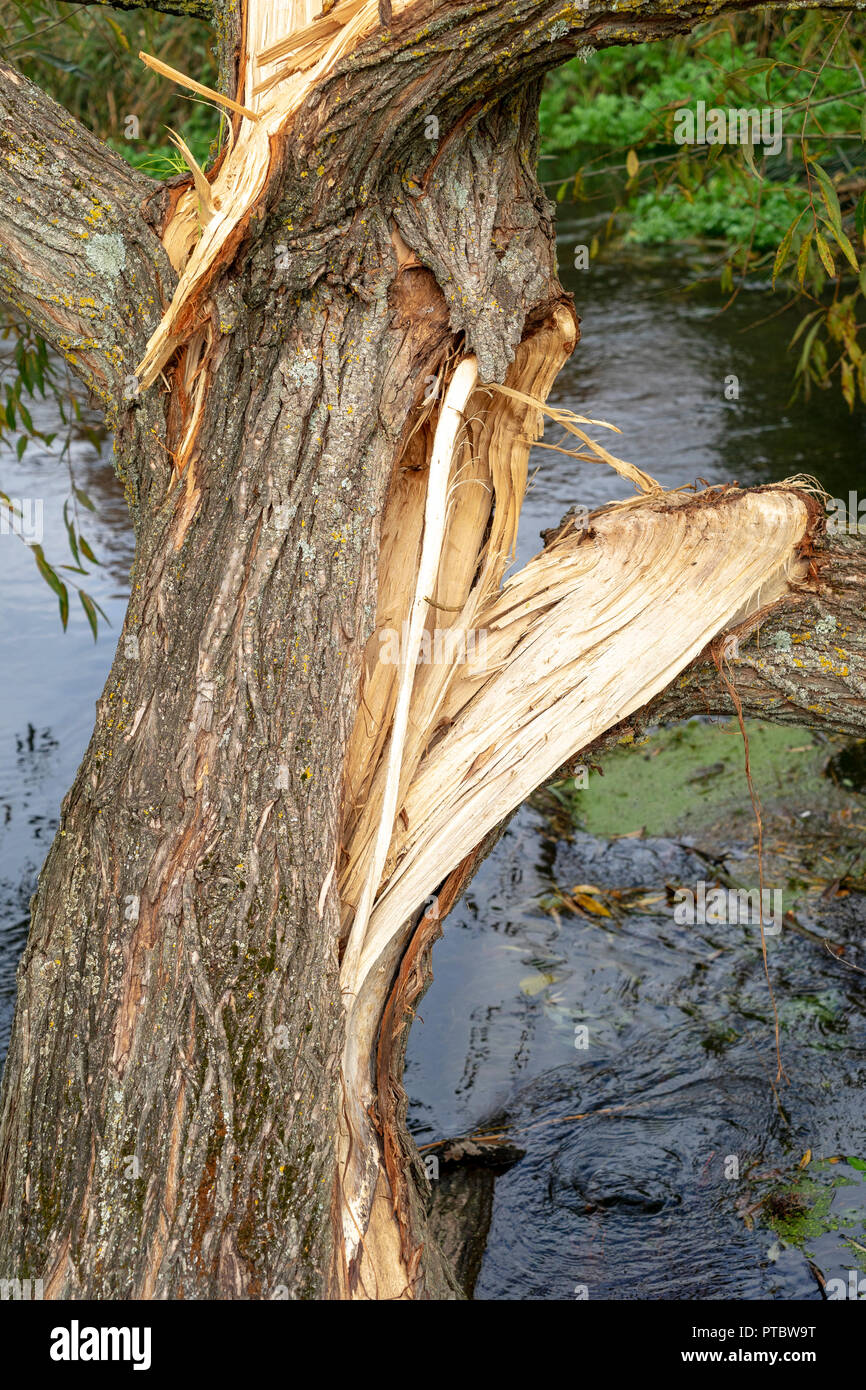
[172, 1094]
[77, 256]
[189, 9]
[183, 947]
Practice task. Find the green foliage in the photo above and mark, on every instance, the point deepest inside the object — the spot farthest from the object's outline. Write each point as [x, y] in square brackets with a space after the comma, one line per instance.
[87, 58]
[202, 128]
[622, 95]
[721, 208]
[797, 218]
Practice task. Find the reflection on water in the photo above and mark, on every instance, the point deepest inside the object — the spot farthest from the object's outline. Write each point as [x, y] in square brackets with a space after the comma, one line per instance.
[630, 1204]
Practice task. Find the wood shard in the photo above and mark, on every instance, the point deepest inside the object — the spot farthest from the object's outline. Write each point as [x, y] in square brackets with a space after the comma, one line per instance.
[279, 75]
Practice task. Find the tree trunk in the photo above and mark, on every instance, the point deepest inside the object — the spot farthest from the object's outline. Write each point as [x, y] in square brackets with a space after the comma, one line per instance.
[202, 1097]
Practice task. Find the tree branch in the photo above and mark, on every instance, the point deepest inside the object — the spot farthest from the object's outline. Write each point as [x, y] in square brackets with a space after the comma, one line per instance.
[190, 9]
[804, 663]
[77, 258]
[441, 56]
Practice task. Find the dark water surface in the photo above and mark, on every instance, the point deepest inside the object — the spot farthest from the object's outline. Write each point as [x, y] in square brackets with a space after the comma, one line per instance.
[632, 1204]
[635, 1201]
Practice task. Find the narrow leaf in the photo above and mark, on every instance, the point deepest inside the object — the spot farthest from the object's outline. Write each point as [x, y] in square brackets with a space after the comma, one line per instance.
[84, 499]
[88, 605]
[847, 250]
[803, 257]
[86, 551]
[71, 534]
[53, 580]
[807, 347]
[824, 253]
[830, 196]
[785, 245]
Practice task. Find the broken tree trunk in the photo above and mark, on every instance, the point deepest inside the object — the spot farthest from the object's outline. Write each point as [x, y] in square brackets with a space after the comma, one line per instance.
[326, 360]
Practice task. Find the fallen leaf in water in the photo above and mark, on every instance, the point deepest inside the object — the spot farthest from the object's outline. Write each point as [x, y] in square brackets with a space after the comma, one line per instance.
[588, 904]
[539, 980]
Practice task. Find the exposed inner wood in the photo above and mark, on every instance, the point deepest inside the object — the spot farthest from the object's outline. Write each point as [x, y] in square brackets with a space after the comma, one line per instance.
[585, 634]
[287, 53]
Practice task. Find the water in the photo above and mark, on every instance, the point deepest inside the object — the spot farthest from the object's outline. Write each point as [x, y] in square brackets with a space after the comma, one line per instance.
[51, 679]
[634, 1203]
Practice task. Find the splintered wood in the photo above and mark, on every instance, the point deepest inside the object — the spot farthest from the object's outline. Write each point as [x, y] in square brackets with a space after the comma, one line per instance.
[588, 632]
[287, 53]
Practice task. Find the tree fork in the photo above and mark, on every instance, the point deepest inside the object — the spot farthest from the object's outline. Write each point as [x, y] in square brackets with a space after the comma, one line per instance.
[202, 1095]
